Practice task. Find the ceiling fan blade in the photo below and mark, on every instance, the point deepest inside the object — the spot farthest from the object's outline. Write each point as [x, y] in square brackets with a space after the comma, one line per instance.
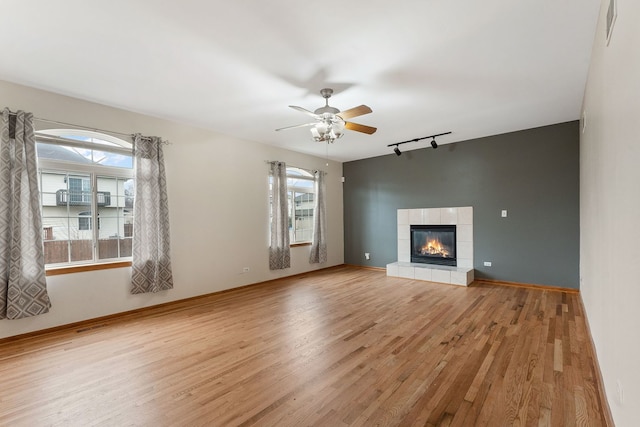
[302, 110]
[354, 112]
[296, 126]
[360, 128]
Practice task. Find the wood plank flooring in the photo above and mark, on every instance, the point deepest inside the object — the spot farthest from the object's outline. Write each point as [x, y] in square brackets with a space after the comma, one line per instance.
[338, 347]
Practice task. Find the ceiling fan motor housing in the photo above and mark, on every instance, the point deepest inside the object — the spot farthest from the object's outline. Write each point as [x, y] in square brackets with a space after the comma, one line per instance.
[326, 109]
[326, 94]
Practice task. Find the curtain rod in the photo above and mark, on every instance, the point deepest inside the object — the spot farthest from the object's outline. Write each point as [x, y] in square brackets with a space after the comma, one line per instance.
[294, 166]
[40, 119]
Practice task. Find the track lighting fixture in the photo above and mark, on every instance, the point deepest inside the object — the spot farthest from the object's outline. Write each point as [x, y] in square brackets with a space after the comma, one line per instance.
[434, 144]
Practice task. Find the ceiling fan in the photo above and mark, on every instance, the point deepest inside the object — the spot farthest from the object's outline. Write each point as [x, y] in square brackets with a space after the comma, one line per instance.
[330, 122]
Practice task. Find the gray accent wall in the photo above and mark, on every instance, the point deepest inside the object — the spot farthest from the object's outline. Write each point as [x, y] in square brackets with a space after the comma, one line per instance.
[533, 174]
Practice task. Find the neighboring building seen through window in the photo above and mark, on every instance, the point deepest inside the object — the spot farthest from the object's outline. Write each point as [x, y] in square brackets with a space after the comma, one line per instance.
[86, 178]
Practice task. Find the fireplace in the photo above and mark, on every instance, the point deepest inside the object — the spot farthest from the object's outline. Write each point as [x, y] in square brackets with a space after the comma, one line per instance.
[433, 244]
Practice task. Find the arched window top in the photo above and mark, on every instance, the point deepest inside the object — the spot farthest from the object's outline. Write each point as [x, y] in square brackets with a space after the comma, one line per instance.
[300, 178]
[86, 136]
[84, 147]
[292, 171]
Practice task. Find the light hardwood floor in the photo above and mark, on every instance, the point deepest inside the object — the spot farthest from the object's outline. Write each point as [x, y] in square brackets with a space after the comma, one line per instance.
[338, 347]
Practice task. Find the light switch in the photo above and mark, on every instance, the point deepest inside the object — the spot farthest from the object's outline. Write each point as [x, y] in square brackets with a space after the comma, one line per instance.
[504, 213]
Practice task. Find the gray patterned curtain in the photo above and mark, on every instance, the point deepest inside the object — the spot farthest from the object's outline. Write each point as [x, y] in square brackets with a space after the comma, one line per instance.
[151, 267]
[279, 253]
[319, 245]
[23, 287]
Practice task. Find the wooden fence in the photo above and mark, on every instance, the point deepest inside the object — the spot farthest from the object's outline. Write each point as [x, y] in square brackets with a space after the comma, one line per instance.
[57, 251]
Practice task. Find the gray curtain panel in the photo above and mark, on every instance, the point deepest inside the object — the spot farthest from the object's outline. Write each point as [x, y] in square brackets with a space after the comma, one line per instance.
[23, 286]
[279, 252]
[151, 267]
[319, 245]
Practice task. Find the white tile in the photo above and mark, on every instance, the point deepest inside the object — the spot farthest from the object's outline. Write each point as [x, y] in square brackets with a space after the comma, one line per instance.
[465, 262]
[432, 216]
[458, 278]
[465, 215]
[464, 233]
[404, 232]
[441, 276]
[449, 215]
[403, 216]
[425, 216]
[406, 272]
[392, 269]
[464, 250]
[404, 250]
[422, 273]
[415, 216]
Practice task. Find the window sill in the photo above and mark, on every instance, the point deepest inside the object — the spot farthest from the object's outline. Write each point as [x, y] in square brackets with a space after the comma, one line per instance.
[295, 245]
[88, 267]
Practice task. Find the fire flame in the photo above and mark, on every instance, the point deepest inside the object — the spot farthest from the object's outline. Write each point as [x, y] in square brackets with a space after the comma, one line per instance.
[434, 248]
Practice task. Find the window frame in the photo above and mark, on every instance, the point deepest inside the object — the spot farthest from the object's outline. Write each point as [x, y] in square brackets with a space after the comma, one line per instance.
[94, 171]
[296, 173]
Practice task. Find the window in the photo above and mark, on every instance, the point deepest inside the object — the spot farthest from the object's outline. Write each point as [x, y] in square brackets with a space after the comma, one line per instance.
[300, 198]
[79, 191]
[84, 221]
[85, 178]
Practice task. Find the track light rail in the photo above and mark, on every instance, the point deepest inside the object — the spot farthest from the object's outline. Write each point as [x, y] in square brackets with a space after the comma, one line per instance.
[396, 149]
[395, 144]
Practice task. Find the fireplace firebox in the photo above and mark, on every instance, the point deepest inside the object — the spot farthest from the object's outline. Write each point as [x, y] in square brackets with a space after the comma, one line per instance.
[433, 244]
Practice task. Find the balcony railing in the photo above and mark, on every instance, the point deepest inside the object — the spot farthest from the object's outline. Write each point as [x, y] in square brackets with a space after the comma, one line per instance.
[81, 198]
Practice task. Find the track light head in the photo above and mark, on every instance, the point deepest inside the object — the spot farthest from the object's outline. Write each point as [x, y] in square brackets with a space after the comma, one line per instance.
[433, 143]
[397, 150]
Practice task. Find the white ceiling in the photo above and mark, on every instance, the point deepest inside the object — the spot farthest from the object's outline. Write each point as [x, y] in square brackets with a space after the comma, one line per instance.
[475, 68]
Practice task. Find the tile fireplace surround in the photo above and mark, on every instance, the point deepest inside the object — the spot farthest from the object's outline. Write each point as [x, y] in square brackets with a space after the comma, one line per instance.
[462, 218]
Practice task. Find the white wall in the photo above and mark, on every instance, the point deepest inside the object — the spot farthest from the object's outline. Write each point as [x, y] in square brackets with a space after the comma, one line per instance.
[218, 200]
[610, 209]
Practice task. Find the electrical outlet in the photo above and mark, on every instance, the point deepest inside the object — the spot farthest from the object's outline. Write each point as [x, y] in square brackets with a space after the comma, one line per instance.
[487, 263]
[367, 255]
[245, 269]
[504, 213]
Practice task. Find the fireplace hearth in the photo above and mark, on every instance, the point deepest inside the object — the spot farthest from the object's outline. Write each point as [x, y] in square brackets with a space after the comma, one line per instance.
[433, 244]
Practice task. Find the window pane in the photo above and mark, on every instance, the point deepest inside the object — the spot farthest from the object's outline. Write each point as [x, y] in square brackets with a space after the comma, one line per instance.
[83, 155]
[81, 250]
[59, 152]
[126, 247]
[299, 183]
[116, 217]
[303, 216]
[112, 159]
[66, 220]
[292, 236]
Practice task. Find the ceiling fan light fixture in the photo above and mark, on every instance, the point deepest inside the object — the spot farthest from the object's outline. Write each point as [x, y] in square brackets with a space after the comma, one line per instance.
[331, 122]
[338, 128]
